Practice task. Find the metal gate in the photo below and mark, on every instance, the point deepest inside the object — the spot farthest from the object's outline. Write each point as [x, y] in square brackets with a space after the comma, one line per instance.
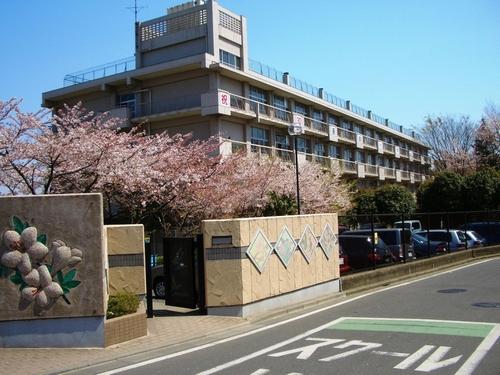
[183, 274]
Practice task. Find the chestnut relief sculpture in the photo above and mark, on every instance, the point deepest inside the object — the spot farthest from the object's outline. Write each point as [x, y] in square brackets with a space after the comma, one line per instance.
[43, 276]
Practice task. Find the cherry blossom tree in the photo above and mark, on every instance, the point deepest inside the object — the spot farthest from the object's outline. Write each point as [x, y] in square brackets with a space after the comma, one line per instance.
[161, 180]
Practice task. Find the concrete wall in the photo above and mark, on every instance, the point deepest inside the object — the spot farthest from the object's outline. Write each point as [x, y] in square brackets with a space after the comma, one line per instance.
[233, 279]
[125, 249]
[30, 290]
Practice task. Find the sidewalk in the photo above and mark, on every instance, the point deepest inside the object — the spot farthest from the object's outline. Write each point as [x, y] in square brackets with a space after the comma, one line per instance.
[163, 331]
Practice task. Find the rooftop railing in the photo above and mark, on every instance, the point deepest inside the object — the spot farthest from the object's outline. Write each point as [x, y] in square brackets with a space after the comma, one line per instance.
[303, 86]
[100, 71]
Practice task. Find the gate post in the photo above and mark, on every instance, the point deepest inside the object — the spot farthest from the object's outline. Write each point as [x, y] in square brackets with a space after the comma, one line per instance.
[149, 287]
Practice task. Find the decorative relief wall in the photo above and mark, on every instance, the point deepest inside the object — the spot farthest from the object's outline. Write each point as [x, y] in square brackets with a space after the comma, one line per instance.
[260, 248]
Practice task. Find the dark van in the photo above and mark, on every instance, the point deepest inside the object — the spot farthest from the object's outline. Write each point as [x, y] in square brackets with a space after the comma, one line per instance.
[360, 251]
[394, 240]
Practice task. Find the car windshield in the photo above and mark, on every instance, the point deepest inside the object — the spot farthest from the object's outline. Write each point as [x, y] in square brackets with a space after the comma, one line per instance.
[477, 235]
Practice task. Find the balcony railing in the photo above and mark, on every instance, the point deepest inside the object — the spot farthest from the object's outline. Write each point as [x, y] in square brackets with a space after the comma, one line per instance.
[389, 173]
[371, 170]
[388, 148]
[347, 135]
[345, 166]
[369, 142]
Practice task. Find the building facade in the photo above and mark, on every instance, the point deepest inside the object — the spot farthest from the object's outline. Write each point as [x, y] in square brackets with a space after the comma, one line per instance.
[192, 73]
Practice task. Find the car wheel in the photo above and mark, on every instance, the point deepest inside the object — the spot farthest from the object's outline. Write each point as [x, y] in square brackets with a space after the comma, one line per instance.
[159, 287]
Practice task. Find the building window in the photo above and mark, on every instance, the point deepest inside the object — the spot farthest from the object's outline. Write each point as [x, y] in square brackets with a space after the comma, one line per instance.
[227, 58]
[260, 136]
[333, 120]
[300, 108]
[258, 95]
[348, 154]
[319, 149]
[127, 101]
[280, 102]
[334, 151]
[282, 141]
[304, 145]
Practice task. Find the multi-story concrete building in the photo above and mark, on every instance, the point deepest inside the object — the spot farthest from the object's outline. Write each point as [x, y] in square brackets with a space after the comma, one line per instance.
[192, 73]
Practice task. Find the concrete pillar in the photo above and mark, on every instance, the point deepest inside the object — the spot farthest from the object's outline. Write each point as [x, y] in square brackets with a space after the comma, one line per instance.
[245, 64]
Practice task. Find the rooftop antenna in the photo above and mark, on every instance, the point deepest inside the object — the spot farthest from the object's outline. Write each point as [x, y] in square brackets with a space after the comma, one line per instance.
[136, 8]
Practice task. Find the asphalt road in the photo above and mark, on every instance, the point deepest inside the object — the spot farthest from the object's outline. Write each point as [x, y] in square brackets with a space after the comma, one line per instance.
[443, 324]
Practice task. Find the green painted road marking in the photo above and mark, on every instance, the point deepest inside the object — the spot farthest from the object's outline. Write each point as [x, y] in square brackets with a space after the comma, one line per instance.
[414, 326]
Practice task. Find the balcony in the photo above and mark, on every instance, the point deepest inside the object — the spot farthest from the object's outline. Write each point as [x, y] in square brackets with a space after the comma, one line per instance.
[371, 170]
[369, 143]
[347, 135]
[404, 153]
[388, 148]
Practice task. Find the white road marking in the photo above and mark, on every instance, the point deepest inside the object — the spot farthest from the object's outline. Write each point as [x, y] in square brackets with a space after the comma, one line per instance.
[434, 361]
[473, 361]
[307, 351]
[391, 354]
[268, 349]
[261, 371]
[415, 357]
[271, 326]
[365, 346]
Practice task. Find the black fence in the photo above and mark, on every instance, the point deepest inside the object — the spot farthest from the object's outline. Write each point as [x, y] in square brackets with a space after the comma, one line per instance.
[379, 240]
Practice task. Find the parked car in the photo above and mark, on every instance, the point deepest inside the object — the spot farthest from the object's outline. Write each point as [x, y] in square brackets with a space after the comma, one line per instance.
[361, 253]
[490, 230]
[158, 276]
[424, 248]
[475, 237]
[343, 262]
[393, 238]
[412, 225]
[455, 239]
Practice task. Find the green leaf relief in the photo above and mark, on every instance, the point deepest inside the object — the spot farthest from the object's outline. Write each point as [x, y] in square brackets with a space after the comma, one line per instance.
[42, 238]
[17, 278]
[60, 278]
[18, 225]
[72, 284]
[70, 275]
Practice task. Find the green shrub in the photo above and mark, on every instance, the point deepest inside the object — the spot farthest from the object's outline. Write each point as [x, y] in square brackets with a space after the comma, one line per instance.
[122, 304]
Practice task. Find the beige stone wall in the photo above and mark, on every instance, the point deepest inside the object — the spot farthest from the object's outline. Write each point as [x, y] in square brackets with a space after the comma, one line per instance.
[74, 219]
[125, 249]
[232, 282]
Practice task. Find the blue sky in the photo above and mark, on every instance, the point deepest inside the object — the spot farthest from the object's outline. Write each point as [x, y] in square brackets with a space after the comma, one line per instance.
[403, 59]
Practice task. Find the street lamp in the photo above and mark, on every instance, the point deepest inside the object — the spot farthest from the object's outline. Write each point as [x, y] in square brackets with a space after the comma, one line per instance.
[295, 129]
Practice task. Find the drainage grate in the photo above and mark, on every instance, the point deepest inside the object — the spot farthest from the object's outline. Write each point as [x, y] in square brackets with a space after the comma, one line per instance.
[452, 290]
[487, 304]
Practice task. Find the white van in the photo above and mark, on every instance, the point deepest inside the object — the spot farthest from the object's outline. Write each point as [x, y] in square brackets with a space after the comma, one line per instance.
[411, 225]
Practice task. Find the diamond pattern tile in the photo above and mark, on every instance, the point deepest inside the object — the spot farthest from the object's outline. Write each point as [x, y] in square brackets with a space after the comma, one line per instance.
[328, 240]
[285, 246]
[259, 250]
[308, 243]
